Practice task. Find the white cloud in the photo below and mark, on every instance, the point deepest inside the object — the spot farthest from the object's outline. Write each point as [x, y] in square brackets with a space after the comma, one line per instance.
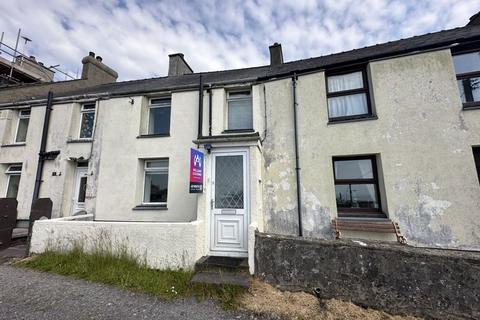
[135, 37]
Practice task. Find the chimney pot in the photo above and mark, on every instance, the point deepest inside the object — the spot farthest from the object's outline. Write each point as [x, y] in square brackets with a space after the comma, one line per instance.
[91, 54]
[99, 59]
[276, 54]
[177, 65]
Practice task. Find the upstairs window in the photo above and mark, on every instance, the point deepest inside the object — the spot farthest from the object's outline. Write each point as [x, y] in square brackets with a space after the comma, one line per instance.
[467, 68]
[356, 187]
[159, 116]
[22, 126]
[13, 171]
[347, 96]
[239, 110]
[156, 182]
[87, 121]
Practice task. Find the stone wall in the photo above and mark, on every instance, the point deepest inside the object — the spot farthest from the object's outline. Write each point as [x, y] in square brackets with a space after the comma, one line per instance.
[442, 284]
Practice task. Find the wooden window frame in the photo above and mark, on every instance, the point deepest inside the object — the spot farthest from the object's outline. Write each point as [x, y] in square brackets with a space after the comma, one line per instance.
[365, 89]
[360, 212]
[468, 75]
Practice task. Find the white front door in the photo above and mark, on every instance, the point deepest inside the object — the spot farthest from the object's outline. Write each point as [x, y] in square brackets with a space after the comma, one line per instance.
[230, 204]
[80, 188]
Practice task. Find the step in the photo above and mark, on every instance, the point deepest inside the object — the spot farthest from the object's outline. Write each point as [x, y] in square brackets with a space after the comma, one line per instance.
[209, 262]
[219, 278]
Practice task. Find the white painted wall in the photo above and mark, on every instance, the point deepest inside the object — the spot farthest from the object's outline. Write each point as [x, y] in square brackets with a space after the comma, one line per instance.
[160, 245]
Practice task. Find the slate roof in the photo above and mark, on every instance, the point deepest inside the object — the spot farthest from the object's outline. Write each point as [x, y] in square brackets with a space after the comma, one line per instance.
[416, 43]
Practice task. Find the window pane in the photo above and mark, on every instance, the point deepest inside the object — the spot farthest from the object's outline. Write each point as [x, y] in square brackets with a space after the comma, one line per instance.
[345, 82]
[229, 182]
[159, 122]
[356, 196]
[82, 190]
[469, 89]
[86, 126]
[157, 164]
[240, 114]
[465, 63]
[351, 105]
[13, 182]
[161, 102]
[354, 169]
[156, 187]
[476, 157]
[22, 130]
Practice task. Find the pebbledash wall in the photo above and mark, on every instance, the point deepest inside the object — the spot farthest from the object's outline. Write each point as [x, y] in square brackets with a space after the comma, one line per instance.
[422, 139]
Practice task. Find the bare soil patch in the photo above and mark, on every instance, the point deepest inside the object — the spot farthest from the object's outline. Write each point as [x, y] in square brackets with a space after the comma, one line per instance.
[264, 299]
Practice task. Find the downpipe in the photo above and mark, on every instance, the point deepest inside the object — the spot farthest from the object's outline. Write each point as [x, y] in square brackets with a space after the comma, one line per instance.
[297, 157]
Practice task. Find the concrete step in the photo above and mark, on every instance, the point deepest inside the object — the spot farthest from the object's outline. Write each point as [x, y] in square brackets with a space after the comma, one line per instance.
[213, 262]
[219, 278]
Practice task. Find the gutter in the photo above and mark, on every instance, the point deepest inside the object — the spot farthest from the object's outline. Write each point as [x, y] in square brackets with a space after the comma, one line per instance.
[297, 157]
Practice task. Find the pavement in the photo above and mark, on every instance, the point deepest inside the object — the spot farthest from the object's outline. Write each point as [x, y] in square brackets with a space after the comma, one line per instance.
[28, 294]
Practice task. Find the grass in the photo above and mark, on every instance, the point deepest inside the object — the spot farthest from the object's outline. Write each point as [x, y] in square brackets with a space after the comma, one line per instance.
[124, 271]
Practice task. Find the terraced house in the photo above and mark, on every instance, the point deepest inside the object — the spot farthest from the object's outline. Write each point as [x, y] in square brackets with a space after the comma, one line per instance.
[381, 142]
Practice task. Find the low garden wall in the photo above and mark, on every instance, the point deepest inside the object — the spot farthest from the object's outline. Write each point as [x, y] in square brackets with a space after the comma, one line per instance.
[442, 284]
[160, 245]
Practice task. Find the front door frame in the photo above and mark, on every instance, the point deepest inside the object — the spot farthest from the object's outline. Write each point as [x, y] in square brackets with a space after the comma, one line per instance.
[80, 172]
[210, 221]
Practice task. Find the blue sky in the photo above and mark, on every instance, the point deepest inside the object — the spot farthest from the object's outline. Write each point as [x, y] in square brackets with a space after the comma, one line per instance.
[135, 37]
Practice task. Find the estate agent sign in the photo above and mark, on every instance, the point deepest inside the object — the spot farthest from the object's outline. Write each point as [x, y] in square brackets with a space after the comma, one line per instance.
[196, 171]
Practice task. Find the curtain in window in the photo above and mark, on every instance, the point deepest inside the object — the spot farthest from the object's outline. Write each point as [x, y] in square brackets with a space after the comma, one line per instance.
[347, 105]
[345, 82]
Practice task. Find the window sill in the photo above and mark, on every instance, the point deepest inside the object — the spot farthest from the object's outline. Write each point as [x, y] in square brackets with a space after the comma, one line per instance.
[160, 135]
[238, 131]
[361, 215]
[151, 207]
[79, 140]
[366, 118]
[20, 144]
[471, 106]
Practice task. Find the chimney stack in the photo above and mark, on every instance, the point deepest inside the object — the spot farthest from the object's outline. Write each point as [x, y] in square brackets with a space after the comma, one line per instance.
[177, 65]
[474, 20]
[276, 55]
[96, 72]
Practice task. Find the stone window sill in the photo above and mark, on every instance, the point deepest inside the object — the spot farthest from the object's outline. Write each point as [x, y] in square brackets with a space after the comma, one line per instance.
[153, 135]
[80, 141]
[22, 144]
[352, 120]
[151, 207]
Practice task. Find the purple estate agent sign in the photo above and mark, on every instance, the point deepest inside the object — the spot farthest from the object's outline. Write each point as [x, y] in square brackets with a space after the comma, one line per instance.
[196, 171]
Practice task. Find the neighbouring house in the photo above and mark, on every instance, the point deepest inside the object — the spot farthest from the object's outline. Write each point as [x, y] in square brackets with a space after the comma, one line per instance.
[368, 143]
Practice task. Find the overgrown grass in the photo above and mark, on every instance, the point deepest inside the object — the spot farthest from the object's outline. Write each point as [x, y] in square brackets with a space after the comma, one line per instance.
[124, 271]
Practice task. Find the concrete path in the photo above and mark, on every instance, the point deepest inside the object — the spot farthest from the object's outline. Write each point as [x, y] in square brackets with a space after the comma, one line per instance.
[27, 294]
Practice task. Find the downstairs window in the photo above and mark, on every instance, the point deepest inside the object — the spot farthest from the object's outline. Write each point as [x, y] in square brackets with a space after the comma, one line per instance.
[356, 187]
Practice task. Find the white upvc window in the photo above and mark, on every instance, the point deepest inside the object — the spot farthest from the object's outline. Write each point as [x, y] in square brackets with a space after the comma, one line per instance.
[13, 172]
[156, 182]
[159, 116]
[240, 115]
[87, 121]
[22, 126]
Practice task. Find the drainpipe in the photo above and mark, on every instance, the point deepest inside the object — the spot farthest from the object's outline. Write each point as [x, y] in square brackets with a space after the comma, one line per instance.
[43, 145]
[200, 108]
[297, 158]
[210, 94]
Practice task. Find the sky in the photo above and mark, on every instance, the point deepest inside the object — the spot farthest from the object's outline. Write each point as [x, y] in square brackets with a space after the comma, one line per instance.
[135, 37]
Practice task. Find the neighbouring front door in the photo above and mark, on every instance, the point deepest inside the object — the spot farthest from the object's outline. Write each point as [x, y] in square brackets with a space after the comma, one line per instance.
[230, 204]
[80, 188]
